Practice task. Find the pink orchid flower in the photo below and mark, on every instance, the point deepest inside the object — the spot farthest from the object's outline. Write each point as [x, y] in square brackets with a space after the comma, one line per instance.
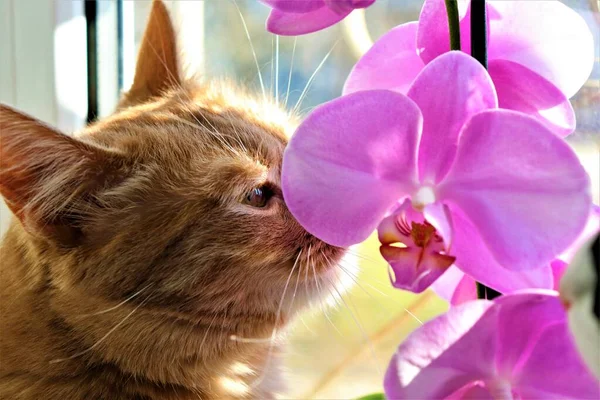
[458, 287]
[515, 347]
[540, 54]
[443, 173]
[298, 17]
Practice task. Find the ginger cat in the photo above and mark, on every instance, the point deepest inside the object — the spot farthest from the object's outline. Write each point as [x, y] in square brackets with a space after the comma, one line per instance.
[147, 248]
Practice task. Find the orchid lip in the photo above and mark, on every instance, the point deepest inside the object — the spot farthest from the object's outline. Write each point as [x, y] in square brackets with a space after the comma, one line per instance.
[413, 248]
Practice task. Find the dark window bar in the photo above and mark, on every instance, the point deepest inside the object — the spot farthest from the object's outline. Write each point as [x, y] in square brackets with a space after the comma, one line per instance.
[479, 52]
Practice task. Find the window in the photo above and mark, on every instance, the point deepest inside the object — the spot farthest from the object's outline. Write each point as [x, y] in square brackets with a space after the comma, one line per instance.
[66, 62]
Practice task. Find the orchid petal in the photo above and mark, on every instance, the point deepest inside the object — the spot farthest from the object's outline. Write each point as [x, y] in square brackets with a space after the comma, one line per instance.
[474, 258]
[388, 231]
[521, 89]
[522, 187]
[415, 269]
[433, 38]
[359, 149]
[391, 63]
[592, 227]
[472, 391]
[512, 341]
[455, 286]
[438, 215]
[294, 6]
[361, 3]
[447, 283]
[447, 103]
[517, 340]
[547, 37]
[532, 331]
[545, 373]
[466, 290]
[343, 5]
[421, 369]
[558, 268]
[291, 24]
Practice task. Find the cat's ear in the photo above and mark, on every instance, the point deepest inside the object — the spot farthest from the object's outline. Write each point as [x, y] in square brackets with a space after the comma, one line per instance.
[157, 67]
[47, 178]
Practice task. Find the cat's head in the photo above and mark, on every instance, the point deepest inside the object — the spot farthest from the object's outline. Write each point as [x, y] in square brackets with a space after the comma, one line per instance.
[177, 194]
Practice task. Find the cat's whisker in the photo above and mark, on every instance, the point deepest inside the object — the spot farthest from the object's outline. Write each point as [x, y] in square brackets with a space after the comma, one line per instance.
[272, 63]
[290, 308]
[370, 286]
[347, 270]
[260, 78]
[161, 57]
[214, 131]
[360, 327]
[323, 306]
[306, 326]
[238, 139]
[306, 110]
[216, 134]
[103, 338]
[355, 279]
[128, 299]
[414, 316]
[240, 339]
[277, 316]
[289, 83]
[308, 296]
[311, 79]
[381, 284]
[365, 257]
[208, 330]
[277, 69]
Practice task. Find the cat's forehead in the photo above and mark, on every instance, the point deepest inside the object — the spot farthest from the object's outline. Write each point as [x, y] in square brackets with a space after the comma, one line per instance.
[200, 121]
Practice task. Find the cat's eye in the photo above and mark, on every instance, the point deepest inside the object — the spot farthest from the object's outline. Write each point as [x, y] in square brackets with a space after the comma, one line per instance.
[258, 197]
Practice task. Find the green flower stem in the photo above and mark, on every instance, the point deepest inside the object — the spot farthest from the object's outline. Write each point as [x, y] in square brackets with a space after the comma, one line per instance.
[453, 24]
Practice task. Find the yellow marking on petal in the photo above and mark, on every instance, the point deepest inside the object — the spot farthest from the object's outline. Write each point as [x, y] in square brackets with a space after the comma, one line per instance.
[388, 237]
[422, 233]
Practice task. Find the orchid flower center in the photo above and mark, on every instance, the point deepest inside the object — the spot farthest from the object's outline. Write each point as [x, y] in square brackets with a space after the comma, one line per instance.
[424, 197]
[500, 390]
[413, 247]
[420, 233]
[417, 234]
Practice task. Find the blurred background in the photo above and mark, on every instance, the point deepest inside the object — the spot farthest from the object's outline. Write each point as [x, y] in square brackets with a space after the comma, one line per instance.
[67, 61]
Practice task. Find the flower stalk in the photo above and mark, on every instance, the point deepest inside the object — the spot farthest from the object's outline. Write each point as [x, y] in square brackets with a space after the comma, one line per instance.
[453, 24]
[484, 292]
[479, 52]
[479, 31]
